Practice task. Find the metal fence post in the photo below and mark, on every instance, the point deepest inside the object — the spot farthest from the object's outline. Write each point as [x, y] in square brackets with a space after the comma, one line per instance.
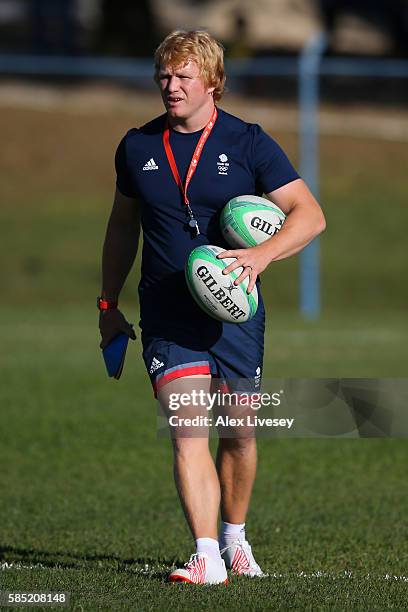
[309, 66]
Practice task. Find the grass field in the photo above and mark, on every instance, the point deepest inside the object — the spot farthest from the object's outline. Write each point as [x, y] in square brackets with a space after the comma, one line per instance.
[88, 504]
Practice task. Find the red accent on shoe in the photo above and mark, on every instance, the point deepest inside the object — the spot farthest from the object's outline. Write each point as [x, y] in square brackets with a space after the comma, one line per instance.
[180, 579]
[240, 561]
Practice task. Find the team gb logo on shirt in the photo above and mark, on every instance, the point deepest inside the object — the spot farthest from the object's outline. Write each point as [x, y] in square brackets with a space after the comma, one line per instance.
[223, 164]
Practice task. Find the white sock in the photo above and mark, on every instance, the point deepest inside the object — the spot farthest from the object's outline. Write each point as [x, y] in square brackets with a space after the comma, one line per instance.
[210, 547]
[229, 532]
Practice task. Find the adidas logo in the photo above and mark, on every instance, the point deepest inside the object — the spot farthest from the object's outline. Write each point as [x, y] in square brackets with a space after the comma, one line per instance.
[150, 165]
[156, 364]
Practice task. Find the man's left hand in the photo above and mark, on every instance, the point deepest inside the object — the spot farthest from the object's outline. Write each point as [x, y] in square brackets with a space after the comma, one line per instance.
[253, 260]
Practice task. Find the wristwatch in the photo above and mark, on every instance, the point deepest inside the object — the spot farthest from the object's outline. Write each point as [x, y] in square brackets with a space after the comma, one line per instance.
[104, 304]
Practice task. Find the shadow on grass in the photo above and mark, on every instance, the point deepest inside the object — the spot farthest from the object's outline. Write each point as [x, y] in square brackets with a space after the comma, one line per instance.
[147, 566]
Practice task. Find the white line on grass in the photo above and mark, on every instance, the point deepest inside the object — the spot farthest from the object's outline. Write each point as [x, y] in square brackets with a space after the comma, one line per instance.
[314, 574]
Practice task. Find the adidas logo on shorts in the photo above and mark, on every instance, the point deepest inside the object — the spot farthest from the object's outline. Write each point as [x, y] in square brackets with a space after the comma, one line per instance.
[150, 165]
[156, 364]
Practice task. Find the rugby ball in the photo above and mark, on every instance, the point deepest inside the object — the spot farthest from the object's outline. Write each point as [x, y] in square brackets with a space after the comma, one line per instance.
[214, 291]
[249, 220]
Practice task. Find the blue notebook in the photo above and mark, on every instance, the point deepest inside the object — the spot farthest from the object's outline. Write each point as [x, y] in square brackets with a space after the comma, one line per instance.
[114, 355]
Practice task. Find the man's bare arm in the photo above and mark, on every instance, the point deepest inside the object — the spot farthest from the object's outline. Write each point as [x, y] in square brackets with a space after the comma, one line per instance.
[120, 246]
[304, 221]
[119, 252]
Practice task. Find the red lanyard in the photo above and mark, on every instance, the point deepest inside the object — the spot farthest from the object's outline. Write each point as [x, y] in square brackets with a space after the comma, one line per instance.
[193, 163]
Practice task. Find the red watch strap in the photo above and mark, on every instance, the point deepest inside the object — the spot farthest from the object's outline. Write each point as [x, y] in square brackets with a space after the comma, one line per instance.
[106, 304]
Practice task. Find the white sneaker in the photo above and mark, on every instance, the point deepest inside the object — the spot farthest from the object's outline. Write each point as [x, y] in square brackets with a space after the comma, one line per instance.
[239, 558]
[200, 569]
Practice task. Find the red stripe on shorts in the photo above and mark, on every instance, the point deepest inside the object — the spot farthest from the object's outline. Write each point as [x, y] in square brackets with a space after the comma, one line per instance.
[189, 371]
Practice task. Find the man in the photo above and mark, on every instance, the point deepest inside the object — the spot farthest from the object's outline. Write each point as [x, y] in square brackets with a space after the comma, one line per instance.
[168, 178]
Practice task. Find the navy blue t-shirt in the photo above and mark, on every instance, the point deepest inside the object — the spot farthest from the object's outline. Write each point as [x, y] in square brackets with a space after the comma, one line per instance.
[238, 158]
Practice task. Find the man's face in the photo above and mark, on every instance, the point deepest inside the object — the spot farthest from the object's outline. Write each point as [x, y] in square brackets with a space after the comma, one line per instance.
[183, 90]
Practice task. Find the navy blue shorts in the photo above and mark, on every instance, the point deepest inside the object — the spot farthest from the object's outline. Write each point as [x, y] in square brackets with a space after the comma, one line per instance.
[229, 351]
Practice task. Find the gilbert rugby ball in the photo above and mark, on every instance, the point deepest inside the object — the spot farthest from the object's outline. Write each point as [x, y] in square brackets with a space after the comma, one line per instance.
[214, 291]
[249, 220]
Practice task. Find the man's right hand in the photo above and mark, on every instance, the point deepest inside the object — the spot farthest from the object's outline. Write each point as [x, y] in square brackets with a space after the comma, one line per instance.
[111, 324]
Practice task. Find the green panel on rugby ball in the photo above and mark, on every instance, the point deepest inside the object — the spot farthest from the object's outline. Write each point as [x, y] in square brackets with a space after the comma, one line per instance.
[214, 291]
[249, 220]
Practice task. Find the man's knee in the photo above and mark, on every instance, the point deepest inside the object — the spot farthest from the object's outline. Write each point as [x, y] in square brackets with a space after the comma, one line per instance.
[238, 446]
[189, 448]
